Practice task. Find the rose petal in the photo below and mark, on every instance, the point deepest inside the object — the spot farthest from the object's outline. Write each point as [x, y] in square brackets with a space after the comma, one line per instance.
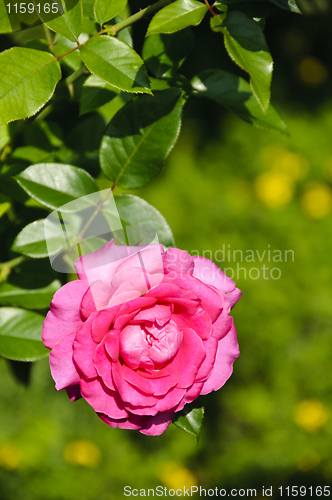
[55, 329]
[133, 422]
[191, 349]
[157, 313]
[102, 322]
[231, 298]
[158, 424]
[178, 260]
[62, 367]
[210, 274]
[102, 399]
[210, 299]
[96, 297]
[200, 322]
[128, 393]
[228, 351]
[156, 384]
[222, 326]
[103, 365]
[84, 349]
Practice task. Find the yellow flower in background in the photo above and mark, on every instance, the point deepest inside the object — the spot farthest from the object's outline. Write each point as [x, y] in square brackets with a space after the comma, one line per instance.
[317, 200]
[310, 414]
[176, 476]
[308, 461]
[280, 159]
[82, 452]
[312, 72]
[10, 456]
[274, 189]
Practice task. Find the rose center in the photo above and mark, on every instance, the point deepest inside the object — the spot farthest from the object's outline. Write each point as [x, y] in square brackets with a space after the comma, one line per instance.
[149, 345]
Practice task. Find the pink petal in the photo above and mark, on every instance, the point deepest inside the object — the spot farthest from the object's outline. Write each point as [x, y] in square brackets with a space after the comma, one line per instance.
[178, 261]
[102, 399]
[102, 322]
[222, 326]
[96, 297]
[228, 351]
[210, 299]
[84, 349]
[158, 424]
[128, 393]
[55, 329]
[170, 290]
[170, 400]
[157, 384]
[62, 367]
[211, 347]
[133, 422]
[103, 366]
[112, 345]
[66, 301]
[210, 274]
[200, 322]
[189, 358]
[158, 312]
[230, 299]
[64, 317]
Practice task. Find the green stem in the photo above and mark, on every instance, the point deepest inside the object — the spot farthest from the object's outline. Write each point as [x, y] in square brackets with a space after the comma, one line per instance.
[48, 37]
[74, 76]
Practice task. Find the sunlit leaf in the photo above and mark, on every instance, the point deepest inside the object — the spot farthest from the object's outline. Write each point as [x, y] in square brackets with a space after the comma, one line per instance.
[20, 334]
[176, 16]
[115, 62]
[54, 185]
[235, 93]
[139, 138]
[27, 81]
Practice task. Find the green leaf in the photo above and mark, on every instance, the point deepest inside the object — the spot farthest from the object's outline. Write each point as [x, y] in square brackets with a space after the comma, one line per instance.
[95, 93]
[246, 45]
[287, 5]
[27, 81]
[134, 211]
[105, 10]
[165, 53]
[20, 334]
[5, 26]
[139, 138]
[190, 420]
[14, 292]
[31, 240]
[116, 63]
[69, 24]
[4, 207]
[176, 16]
[235, 93]
[54, 185]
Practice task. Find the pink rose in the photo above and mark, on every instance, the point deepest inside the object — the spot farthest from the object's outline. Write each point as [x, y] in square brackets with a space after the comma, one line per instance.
[139, 342]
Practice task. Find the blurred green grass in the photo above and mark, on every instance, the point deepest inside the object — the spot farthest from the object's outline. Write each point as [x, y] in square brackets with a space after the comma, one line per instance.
[245, 189]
